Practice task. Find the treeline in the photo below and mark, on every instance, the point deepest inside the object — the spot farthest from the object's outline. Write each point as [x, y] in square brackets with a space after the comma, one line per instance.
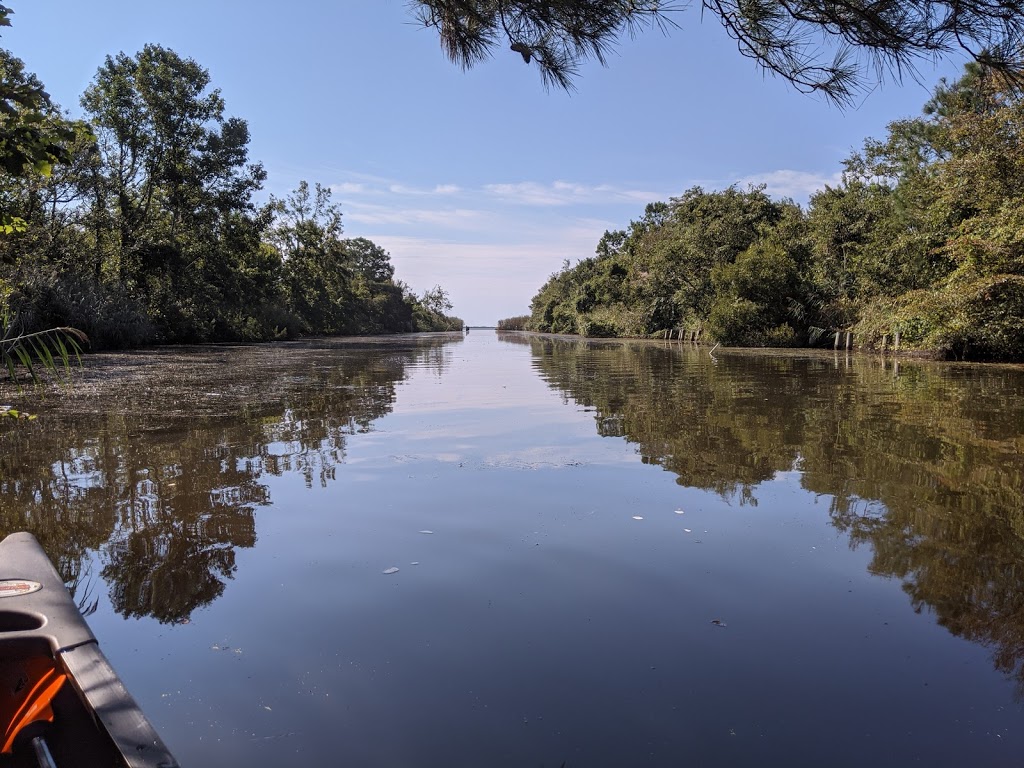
[517, 323]
[923, 237]
[140, 223]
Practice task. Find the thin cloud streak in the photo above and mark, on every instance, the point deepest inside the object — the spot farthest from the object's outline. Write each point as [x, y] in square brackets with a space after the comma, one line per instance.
[559, 193]
[798, 185]
[462, 219]
[529, 193]
[439, 189]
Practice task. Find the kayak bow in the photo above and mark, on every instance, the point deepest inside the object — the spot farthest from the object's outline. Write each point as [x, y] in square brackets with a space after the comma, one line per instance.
[61, 703]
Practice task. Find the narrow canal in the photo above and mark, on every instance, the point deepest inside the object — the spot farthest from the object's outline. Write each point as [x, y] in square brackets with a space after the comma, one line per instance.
[512, 550]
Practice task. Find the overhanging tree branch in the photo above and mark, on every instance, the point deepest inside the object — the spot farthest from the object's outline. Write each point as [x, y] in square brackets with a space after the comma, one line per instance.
[837, 48]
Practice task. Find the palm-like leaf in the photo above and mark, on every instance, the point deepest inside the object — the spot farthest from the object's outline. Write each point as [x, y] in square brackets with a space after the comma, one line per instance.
[43, 352]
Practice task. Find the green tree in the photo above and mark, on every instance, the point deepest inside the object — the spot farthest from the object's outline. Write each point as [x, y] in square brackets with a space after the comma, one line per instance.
[430, 311]
[33, 135]
[952, 240]
[370, 260]
[174, 191]
[317, 273]
[675, 258]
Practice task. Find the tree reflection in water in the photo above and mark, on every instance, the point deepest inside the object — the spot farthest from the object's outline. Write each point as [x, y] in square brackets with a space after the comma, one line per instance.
[154, 461]
[923, 462]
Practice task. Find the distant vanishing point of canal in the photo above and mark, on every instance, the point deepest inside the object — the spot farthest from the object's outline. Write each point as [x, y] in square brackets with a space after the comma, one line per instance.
[517, 550]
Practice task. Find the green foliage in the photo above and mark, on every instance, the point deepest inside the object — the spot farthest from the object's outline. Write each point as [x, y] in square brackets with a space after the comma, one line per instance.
[980, 319]
[429, 312]
[7, 412]
[169, 200]
[819, 46]
[517, 323]
[553, 35]
[924, 236]
[50, 351]
[370, 260]
[597, 329]
[33, 135]
[751, 307]
[316, 273]
[657, 275]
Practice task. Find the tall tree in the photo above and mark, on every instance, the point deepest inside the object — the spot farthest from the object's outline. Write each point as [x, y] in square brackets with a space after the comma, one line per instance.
[317, 273]
[370, 260]
[176, 186]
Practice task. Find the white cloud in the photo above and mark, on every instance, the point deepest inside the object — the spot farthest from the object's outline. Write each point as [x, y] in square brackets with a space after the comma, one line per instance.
[558, 193]
[452, 218]
[349, 188]
[798, 185]
[438, 189]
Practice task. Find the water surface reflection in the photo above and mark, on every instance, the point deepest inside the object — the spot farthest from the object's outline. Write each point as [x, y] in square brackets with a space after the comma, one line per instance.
[923, 462]
[607, 554]
[158, 460]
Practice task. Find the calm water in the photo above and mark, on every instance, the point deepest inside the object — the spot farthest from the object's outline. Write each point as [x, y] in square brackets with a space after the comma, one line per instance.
[608, 554]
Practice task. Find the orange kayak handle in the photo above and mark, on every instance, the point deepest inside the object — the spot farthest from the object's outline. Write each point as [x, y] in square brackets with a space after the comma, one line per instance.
[44, 682]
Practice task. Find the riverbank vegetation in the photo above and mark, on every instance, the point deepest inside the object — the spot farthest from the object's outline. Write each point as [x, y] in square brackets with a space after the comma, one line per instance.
[517, 323]
[921, 244]
[141, 223]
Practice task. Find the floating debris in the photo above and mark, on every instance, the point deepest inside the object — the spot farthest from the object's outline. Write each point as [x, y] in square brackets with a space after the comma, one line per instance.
[680, 512]
[390, 570]
[274, 736]
[427, 532]
[718, 622]
[688, 530]
[415, 562]
[637, 517]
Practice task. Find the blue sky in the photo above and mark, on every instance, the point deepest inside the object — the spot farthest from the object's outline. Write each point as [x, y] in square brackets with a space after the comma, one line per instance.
[480, 181]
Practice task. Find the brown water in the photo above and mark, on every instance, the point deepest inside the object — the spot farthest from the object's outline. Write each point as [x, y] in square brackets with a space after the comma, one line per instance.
[827, 570]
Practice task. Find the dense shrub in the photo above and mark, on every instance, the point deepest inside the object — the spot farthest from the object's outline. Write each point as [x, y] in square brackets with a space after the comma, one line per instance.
[980, 318]
[517, 323]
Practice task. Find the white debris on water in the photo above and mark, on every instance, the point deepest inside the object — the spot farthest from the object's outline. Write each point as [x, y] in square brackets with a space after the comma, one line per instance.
[638, 517]
[390, 570]
[427, 532]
